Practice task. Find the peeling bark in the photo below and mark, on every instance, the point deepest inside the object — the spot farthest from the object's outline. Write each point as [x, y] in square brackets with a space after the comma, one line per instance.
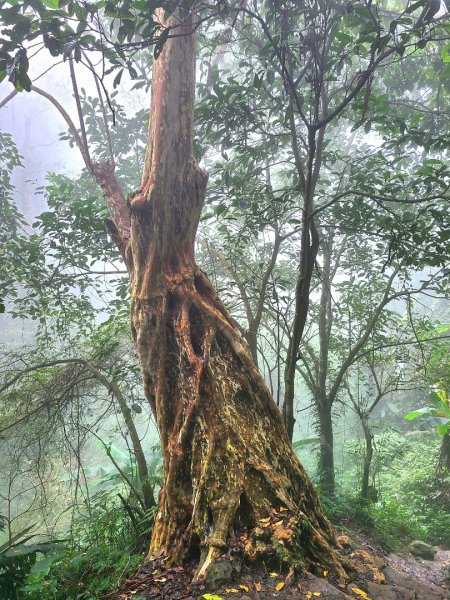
[227, 458]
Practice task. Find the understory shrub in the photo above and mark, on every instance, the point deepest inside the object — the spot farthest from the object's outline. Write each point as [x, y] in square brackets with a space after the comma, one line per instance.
[408, 505]
[104, 548]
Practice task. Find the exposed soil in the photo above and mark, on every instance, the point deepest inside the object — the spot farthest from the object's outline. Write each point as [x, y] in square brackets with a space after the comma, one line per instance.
[373, 576]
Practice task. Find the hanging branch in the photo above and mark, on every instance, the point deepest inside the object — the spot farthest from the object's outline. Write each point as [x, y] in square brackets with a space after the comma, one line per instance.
[80, 116]
[102, 104]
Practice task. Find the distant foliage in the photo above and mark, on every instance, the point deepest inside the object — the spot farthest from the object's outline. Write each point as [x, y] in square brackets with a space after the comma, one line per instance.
[408, 505]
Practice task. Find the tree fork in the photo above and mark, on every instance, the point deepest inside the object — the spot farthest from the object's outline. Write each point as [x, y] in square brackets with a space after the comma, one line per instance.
[227, 459]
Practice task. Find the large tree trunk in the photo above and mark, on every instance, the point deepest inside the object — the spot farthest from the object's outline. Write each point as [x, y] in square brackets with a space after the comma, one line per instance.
[226, 455]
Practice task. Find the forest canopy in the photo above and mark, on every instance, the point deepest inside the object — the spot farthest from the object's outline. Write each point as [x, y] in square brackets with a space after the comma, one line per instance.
[224, 290]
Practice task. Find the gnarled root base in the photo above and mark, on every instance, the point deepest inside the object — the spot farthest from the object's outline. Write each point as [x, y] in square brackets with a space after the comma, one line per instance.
[228, 463]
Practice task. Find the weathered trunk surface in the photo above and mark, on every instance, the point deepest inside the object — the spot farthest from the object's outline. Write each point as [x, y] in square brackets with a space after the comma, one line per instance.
[368, 435]
[326, 454]
[310, 244]
[226, 455]
[251, 337]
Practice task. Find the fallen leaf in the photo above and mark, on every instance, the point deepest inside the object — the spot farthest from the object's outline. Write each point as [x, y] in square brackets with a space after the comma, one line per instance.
[279, 586]
[162, 580]
[212, 597]
[308, 595]
[325, 573]
[258, 586]
[360, 593]
[316, 594]
[278, 523]
[244, 587]
[266, 520]
[273, 574]
[232, 591]
[283, 509]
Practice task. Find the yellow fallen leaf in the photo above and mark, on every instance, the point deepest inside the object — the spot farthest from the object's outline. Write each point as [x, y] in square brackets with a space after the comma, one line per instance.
[279, 586]
[212, 597]
[308, 595]
[266, 520]
[273, 574]
[278, 523]
[360, 593]
[316, 594]
[325, 573]
[258, 586]
[162, 580]
[232, 591]
[283, 509]
[244, 587]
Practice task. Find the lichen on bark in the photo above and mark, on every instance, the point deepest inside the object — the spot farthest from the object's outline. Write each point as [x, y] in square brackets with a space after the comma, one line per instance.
[228, 465]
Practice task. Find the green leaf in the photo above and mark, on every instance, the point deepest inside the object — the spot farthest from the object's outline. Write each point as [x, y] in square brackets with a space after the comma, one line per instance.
[305, 442]
[415, 6]
[445, 53]
[444, 428]
[23, 80]
[117, 78]
[362, 11]
[51, 3]
[417, 413]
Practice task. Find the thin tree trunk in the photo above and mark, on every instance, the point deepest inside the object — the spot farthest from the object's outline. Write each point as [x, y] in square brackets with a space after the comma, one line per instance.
[326, 454]
[443, 466]
[227, 458]
[141, 463]
[367, 458]
[308, 253]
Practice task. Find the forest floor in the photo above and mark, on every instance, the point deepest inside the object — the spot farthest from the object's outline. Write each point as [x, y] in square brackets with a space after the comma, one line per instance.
[377, 576]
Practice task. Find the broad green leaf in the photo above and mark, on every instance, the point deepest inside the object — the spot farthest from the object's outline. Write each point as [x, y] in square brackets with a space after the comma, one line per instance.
[418, 413]
[445, 53]
[362, 11]
[51, 3]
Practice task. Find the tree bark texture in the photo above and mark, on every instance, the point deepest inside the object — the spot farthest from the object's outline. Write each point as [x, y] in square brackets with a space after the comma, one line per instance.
[368, 436]
[227, 458]
[326, 454]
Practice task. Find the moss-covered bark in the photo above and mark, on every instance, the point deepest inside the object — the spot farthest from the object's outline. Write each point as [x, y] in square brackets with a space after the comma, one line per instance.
[227, 458]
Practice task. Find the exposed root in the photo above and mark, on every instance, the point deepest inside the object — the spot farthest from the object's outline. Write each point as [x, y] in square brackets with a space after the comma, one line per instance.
[228, 462]
[212, 554]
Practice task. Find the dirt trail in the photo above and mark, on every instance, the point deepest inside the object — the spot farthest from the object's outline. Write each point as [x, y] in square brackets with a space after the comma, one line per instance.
[376, 577]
